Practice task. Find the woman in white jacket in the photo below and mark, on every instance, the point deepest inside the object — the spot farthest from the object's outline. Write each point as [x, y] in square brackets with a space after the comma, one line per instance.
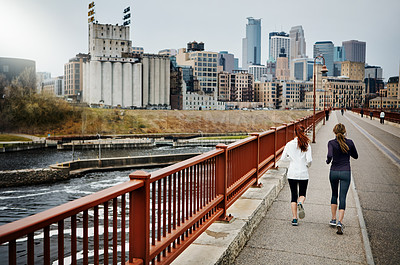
[298, 153]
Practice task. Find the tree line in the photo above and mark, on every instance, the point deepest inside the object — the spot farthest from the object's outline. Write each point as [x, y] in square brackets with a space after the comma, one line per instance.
[26, 110]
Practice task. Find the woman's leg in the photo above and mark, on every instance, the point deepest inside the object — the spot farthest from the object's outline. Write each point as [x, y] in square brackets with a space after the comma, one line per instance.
[302, 197]
[334, 180]
[302, 190]
[294, 196]
[345, 180]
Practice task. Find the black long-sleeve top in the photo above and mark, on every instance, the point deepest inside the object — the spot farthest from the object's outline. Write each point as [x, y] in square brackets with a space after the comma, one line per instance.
[340, 160]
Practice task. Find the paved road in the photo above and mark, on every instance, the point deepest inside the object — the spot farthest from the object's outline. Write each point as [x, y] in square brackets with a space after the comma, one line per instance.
[377, 180]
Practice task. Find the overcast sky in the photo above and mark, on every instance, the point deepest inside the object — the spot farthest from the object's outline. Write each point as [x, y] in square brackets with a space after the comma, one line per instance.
[53, 31]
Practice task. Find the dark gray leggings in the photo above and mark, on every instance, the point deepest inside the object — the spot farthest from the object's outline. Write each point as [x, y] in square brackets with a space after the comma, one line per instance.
[344, 178]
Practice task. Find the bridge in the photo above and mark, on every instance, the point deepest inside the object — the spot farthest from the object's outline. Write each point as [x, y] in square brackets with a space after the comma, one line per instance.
[166, 216]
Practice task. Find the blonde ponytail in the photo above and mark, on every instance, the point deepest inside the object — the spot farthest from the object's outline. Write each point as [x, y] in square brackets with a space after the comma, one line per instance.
[340, 132]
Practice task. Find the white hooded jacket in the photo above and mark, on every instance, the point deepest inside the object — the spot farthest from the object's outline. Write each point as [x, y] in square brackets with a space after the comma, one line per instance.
[299, 161]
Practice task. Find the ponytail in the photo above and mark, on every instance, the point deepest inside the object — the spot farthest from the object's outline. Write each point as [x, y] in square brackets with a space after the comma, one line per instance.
[302, 139]
[340, 132]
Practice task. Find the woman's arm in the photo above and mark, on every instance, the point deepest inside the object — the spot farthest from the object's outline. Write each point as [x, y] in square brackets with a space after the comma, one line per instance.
[309, 156]
[285, 156]
[353, 150]
[330, 153]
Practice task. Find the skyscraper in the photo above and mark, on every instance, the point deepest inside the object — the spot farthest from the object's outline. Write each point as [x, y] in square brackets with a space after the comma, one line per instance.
[354, 50]
[325, 48]
[339, 54]
[297, 43]
[251, 53]
[282, 66]
[226, 61]
[278, 40]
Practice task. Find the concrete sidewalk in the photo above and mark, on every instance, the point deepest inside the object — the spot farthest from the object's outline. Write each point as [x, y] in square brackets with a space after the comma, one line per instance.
[276, 241]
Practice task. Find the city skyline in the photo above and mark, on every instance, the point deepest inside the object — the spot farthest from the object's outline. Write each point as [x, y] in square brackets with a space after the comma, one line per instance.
[51, 32]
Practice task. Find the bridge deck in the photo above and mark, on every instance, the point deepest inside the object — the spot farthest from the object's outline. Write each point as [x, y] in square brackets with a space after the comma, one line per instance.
[372, 232]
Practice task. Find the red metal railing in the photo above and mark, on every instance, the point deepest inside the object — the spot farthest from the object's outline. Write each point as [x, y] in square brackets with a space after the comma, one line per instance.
[153, 217]
[389, 115]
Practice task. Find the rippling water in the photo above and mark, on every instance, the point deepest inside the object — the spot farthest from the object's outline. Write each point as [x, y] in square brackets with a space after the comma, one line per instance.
[20, 202]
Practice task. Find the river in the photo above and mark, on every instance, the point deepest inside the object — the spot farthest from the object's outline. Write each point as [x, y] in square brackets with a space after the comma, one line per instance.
[20, 202]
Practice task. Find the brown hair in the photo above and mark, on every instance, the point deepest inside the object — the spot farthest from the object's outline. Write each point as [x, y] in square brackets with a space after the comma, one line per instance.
[302, 139]
[340, 132]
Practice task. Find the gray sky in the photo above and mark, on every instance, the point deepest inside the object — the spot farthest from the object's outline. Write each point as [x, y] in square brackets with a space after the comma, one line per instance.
[53, 31]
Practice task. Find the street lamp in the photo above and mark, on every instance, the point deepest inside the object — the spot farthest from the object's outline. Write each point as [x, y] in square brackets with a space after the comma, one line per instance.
[323, 71]
[324, 105]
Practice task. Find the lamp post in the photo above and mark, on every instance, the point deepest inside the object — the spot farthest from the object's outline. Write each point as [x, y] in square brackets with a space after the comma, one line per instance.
[323, 70]
[324, 104]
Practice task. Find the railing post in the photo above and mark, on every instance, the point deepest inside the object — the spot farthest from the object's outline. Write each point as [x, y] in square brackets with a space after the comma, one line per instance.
[286, 132]
[222, 180]
[275, 143]
[294, 126]
[139, 220]
[257, 184]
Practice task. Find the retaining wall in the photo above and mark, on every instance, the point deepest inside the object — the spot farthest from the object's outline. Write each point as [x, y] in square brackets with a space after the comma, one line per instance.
[14, 178]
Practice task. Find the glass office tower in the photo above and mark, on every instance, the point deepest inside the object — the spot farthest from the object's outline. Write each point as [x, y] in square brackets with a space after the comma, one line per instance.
[326, 49]
[251, 54]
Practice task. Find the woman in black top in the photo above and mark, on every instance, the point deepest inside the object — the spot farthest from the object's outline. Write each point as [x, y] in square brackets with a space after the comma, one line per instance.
[339, 151]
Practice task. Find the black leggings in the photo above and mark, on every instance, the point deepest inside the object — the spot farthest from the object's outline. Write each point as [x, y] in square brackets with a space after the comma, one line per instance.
[301, 184]
[343, 178]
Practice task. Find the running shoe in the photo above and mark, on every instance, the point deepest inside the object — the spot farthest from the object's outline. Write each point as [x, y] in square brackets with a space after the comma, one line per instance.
[300, 208]
[332, 222]
[340, 228]
[294, 222]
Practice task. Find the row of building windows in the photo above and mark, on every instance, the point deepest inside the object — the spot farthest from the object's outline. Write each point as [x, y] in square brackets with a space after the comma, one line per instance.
[122, 42]
[207, 74]
[206, 64]
[119, 35]
[205, 54]
[200, 69]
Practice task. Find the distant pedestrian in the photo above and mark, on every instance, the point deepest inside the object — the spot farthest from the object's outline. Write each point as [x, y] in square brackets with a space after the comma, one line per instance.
[298, 153]
[382, 116]
[339, 151]
[362, 113]
[327, 114]
[371, 114]
[342, 111]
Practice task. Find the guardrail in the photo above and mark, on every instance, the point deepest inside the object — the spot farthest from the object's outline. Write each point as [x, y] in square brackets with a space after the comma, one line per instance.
[153, 217]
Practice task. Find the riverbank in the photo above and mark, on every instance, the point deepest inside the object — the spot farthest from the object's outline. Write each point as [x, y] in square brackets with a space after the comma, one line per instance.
[93, 121]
